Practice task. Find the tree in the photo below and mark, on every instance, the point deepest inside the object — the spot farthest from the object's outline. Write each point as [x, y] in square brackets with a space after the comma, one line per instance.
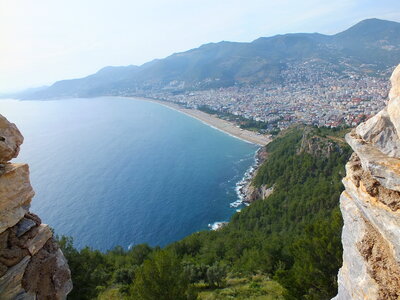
[216, 275]
[161, 277]
[139, 253]
[125, 275]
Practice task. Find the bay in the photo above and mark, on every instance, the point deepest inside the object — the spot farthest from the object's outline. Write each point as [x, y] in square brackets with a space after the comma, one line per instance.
[115, 171]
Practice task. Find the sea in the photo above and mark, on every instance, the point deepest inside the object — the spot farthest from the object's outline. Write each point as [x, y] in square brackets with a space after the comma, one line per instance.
[116, 171]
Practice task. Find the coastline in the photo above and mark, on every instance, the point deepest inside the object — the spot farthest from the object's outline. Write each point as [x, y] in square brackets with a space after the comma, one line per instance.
[215, 122]
[242, 189]
[242, 186]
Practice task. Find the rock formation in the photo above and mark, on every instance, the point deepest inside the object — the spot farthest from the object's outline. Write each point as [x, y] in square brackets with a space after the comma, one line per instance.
[370, 206]
[316, 145]
[31, 264]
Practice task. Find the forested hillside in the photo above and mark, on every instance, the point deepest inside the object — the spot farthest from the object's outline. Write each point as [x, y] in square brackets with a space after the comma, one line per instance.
[285, 246]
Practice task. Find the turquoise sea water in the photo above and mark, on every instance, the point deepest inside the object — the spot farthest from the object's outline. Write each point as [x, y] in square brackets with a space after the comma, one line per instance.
[114, 171]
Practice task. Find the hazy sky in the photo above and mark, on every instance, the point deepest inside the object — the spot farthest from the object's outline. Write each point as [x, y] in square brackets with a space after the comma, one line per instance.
[42, 41]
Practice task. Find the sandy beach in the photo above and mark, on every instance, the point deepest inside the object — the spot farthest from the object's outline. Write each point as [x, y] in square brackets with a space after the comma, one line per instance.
[225, 126]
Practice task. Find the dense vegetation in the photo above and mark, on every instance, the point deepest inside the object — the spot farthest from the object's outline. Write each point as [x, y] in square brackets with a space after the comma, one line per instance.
[286, 246]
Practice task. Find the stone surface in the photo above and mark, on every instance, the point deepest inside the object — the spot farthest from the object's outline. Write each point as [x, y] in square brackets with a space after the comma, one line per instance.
[47, 275]
[379, 131]
[395, 82]
[255, 193]
[317, 145]
[32, 267]
[370, 237]
[24, 226]
[370, 207]
[384, 168]
[353, 280]
[10, 284]
[377, 213]
[15, 194]
[394, 99]
[37, 242]
[10, 140]
[394, 112]
[62, 277]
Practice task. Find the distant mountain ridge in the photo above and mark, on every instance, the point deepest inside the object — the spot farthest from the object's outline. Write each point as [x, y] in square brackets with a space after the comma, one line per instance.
[371, 45]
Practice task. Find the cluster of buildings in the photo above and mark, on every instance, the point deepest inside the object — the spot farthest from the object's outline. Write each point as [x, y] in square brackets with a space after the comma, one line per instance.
[305, 94]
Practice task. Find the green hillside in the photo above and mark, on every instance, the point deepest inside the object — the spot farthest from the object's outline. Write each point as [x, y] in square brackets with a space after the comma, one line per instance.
[286, 246]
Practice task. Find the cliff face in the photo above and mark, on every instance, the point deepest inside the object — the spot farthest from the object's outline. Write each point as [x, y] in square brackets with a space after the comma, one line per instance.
[370, 206]
[31, 264]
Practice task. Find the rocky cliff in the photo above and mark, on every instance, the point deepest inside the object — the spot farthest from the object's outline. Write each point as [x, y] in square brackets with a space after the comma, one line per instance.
[370, 206]
[31, 264]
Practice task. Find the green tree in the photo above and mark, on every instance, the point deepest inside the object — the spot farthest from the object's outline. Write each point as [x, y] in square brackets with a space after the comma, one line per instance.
[124, 275]
[216, 275]
[90, 270]
[161, 278]
[139, 253]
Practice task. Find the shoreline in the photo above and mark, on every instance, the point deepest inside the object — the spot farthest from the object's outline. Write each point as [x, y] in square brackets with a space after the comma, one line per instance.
[242, 186]
[231, 129]
[214, 122]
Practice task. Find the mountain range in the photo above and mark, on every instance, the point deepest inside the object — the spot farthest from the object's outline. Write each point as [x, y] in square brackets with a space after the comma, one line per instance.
[370, 46]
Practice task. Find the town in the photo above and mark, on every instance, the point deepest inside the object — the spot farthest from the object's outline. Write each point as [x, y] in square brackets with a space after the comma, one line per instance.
[308, 94]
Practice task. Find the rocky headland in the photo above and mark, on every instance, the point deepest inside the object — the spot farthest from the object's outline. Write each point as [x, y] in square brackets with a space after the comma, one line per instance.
[370, 206]
[311, 142]
[247, 191]
[32, 266]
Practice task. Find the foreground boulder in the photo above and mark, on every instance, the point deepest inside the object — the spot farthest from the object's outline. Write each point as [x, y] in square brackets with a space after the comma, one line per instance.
[10, 140]
[370, 207]
[31, 264]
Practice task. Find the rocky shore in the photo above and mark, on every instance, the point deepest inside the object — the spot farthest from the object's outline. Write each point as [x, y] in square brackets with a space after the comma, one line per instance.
[247, 193]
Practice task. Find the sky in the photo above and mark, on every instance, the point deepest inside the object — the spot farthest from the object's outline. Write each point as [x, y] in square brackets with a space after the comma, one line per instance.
[42, 41]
